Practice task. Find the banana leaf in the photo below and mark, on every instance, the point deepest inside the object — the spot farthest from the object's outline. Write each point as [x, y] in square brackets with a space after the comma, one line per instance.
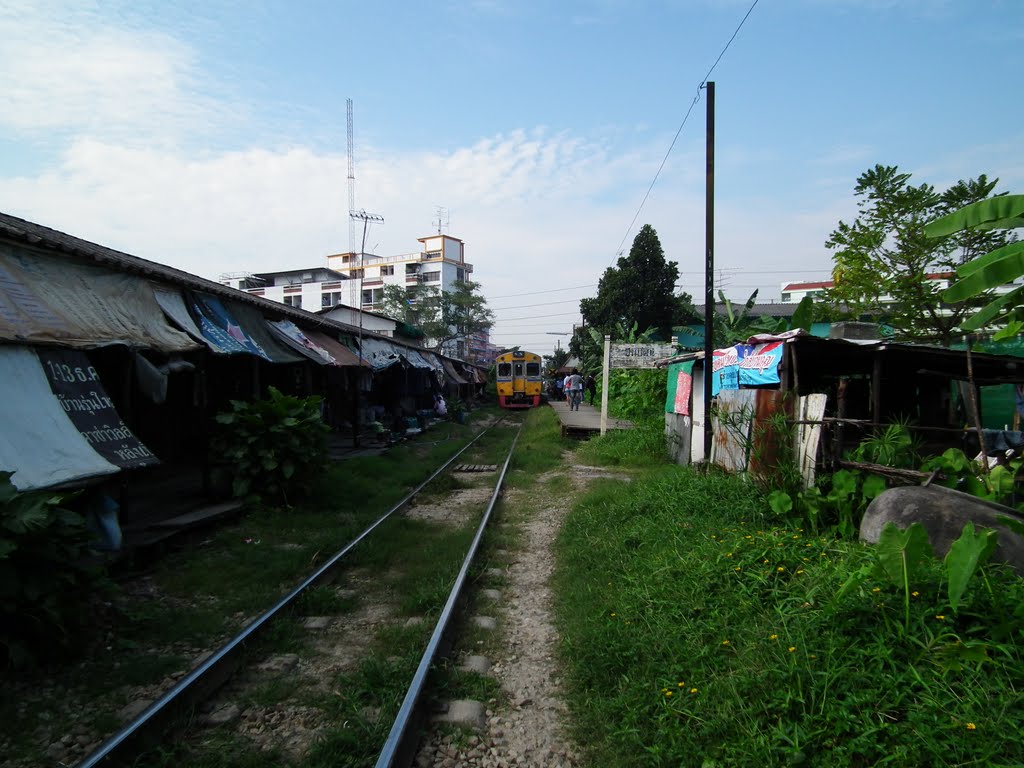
[1005, 269]
[1008, 208]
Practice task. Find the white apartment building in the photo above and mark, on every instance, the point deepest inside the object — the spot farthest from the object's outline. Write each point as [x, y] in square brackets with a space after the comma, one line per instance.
[358, 280]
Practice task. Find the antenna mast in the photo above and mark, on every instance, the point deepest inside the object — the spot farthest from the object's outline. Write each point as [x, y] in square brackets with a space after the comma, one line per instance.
[351, 182]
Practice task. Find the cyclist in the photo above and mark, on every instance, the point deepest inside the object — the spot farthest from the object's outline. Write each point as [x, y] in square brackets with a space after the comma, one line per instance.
[575, 385]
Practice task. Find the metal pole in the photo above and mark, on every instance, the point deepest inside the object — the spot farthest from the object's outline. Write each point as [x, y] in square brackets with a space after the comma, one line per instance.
[709, 272]
[366, 218]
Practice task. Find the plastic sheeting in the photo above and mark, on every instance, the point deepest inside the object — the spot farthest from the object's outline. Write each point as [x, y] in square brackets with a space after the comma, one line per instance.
[38, 442]
[47, 300]
[452, 373]
[298, 340]
[380, 354]
[345, 356]
[415, 359]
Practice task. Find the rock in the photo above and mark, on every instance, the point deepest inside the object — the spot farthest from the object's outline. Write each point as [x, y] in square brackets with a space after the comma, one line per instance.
[133, 709]
[463, 713]
[222, 716]
[316, 622]
[491, 594]
[479, 664]
[284, 663]
[485, 622]
[943, 512]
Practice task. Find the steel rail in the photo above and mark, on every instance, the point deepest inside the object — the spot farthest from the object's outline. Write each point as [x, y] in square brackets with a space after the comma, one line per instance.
[215, 670]
[397, 742]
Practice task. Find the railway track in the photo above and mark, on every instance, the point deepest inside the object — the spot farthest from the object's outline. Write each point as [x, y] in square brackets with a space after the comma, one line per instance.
[160, 727]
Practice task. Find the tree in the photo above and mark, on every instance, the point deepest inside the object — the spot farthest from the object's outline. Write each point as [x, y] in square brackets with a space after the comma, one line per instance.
[443, 316]
[999, 267]
[883, 259]
[556, 359]
[640, 290]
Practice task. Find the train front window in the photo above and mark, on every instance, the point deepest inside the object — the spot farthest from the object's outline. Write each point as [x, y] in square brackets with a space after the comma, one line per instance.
[533, 369]
[519, 369]
[504, 369]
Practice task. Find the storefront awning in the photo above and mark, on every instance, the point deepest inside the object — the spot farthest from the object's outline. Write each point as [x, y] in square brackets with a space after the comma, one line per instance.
[45, 300]
[39, 443]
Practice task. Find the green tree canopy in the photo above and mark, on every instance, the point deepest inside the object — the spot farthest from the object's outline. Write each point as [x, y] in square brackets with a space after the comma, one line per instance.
[443, 316]
[883, 259]
[639, 290]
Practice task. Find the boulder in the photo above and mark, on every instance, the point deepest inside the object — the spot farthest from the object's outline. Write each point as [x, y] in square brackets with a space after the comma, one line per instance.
[943, 513]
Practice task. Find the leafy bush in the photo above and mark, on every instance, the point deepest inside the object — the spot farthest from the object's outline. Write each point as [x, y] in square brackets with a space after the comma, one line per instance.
[637, 394]
[44, 577]
[273, 446]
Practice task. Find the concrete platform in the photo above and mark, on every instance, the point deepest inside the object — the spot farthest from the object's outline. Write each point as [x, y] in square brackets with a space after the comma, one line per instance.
[585, 422]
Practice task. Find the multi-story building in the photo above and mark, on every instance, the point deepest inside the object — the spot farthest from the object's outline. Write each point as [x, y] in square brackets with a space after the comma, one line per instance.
[358, 280]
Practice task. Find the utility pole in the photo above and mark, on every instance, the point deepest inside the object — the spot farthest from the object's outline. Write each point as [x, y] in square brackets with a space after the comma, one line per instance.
[351, 181]
[709, 272]
[366, 218]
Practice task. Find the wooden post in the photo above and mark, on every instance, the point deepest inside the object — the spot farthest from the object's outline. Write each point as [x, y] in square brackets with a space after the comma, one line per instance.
[604, 389]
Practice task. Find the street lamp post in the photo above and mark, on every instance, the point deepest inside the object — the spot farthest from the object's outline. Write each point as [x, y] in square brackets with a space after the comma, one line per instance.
[366, 218]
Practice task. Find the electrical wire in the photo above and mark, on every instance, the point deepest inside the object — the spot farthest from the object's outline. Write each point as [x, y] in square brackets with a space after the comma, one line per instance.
[686, 117]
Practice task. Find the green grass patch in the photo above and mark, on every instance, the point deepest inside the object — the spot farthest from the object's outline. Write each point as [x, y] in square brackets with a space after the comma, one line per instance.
[707, 636]
[539, 449]
[641, 446]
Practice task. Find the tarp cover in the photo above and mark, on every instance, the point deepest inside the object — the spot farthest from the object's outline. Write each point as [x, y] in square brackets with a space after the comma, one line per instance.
[415, 359]
[47, 300]
[380, 353]
[173, 304]
[298, 340]
[255, 327]
[80, 393]
[232, 328]
[38, 442]
[452, 373]
[345, 356]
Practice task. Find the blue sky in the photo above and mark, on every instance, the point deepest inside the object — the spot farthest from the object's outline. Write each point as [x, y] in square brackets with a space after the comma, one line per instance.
[211, 135]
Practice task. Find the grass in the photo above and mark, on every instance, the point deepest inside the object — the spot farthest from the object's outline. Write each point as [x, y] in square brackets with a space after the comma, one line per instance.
[696, 632]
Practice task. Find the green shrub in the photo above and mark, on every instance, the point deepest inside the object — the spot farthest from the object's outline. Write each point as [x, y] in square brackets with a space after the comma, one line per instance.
[44, 577]
[271, 447]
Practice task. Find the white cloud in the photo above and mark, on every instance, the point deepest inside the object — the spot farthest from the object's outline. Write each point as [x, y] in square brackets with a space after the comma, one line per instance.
[70, 70]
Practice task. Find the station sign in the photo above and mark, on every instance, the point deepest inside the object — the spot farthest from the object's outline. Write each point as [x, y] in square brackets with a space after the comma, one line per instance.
[639, 355]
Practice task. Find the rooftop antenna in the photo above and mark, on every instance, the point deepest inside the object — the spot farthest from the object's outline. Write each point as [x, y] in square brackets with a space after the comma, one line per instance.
[351, 182]
[443, 218]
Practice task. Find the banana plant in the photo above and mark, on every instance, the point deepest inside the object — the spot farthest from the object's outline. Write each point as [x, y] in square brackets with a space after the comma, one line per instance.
[1001, 266]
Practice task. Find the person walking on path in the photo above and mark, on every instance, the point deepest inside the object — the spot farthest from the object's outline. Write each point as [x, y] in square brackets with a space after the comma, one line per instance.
[591, 387]
[574, 383]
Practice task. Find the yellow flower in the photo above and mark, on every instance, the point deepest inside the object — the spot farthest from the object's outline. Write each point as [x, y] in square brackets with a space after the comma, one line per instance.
[773, 637]
[813, 656]
[613, 614]
[915, 594]
[667, 694]
[800, 570]
[765, 560]
[725, 642]
[737, 568]
[792, 648]
[693, 690]
[971, 727]
[940, 617]
[664, 690]
[781, 568]
[877, 589]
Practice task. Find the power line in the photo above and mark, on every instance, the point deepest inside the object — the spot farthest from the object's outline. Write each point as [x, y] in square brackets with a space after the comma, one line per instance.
[686, 117]
[535, 317]
[524, 306]
[534, 293]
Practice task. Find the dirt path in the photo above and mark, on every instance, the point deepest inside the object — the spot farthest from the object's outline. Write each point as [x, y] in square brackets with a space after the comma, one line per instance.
[528, 729]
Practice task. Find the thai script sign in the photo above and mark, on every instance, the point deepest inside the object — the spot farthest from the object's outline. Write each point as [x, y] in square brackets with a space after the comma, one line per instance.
[78, 389]
[746, 365]
[639, 355]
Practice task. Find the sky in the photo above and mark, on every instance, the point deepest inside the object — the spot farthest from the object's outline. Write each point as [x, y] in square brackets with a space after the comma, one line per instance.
[212, 136]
